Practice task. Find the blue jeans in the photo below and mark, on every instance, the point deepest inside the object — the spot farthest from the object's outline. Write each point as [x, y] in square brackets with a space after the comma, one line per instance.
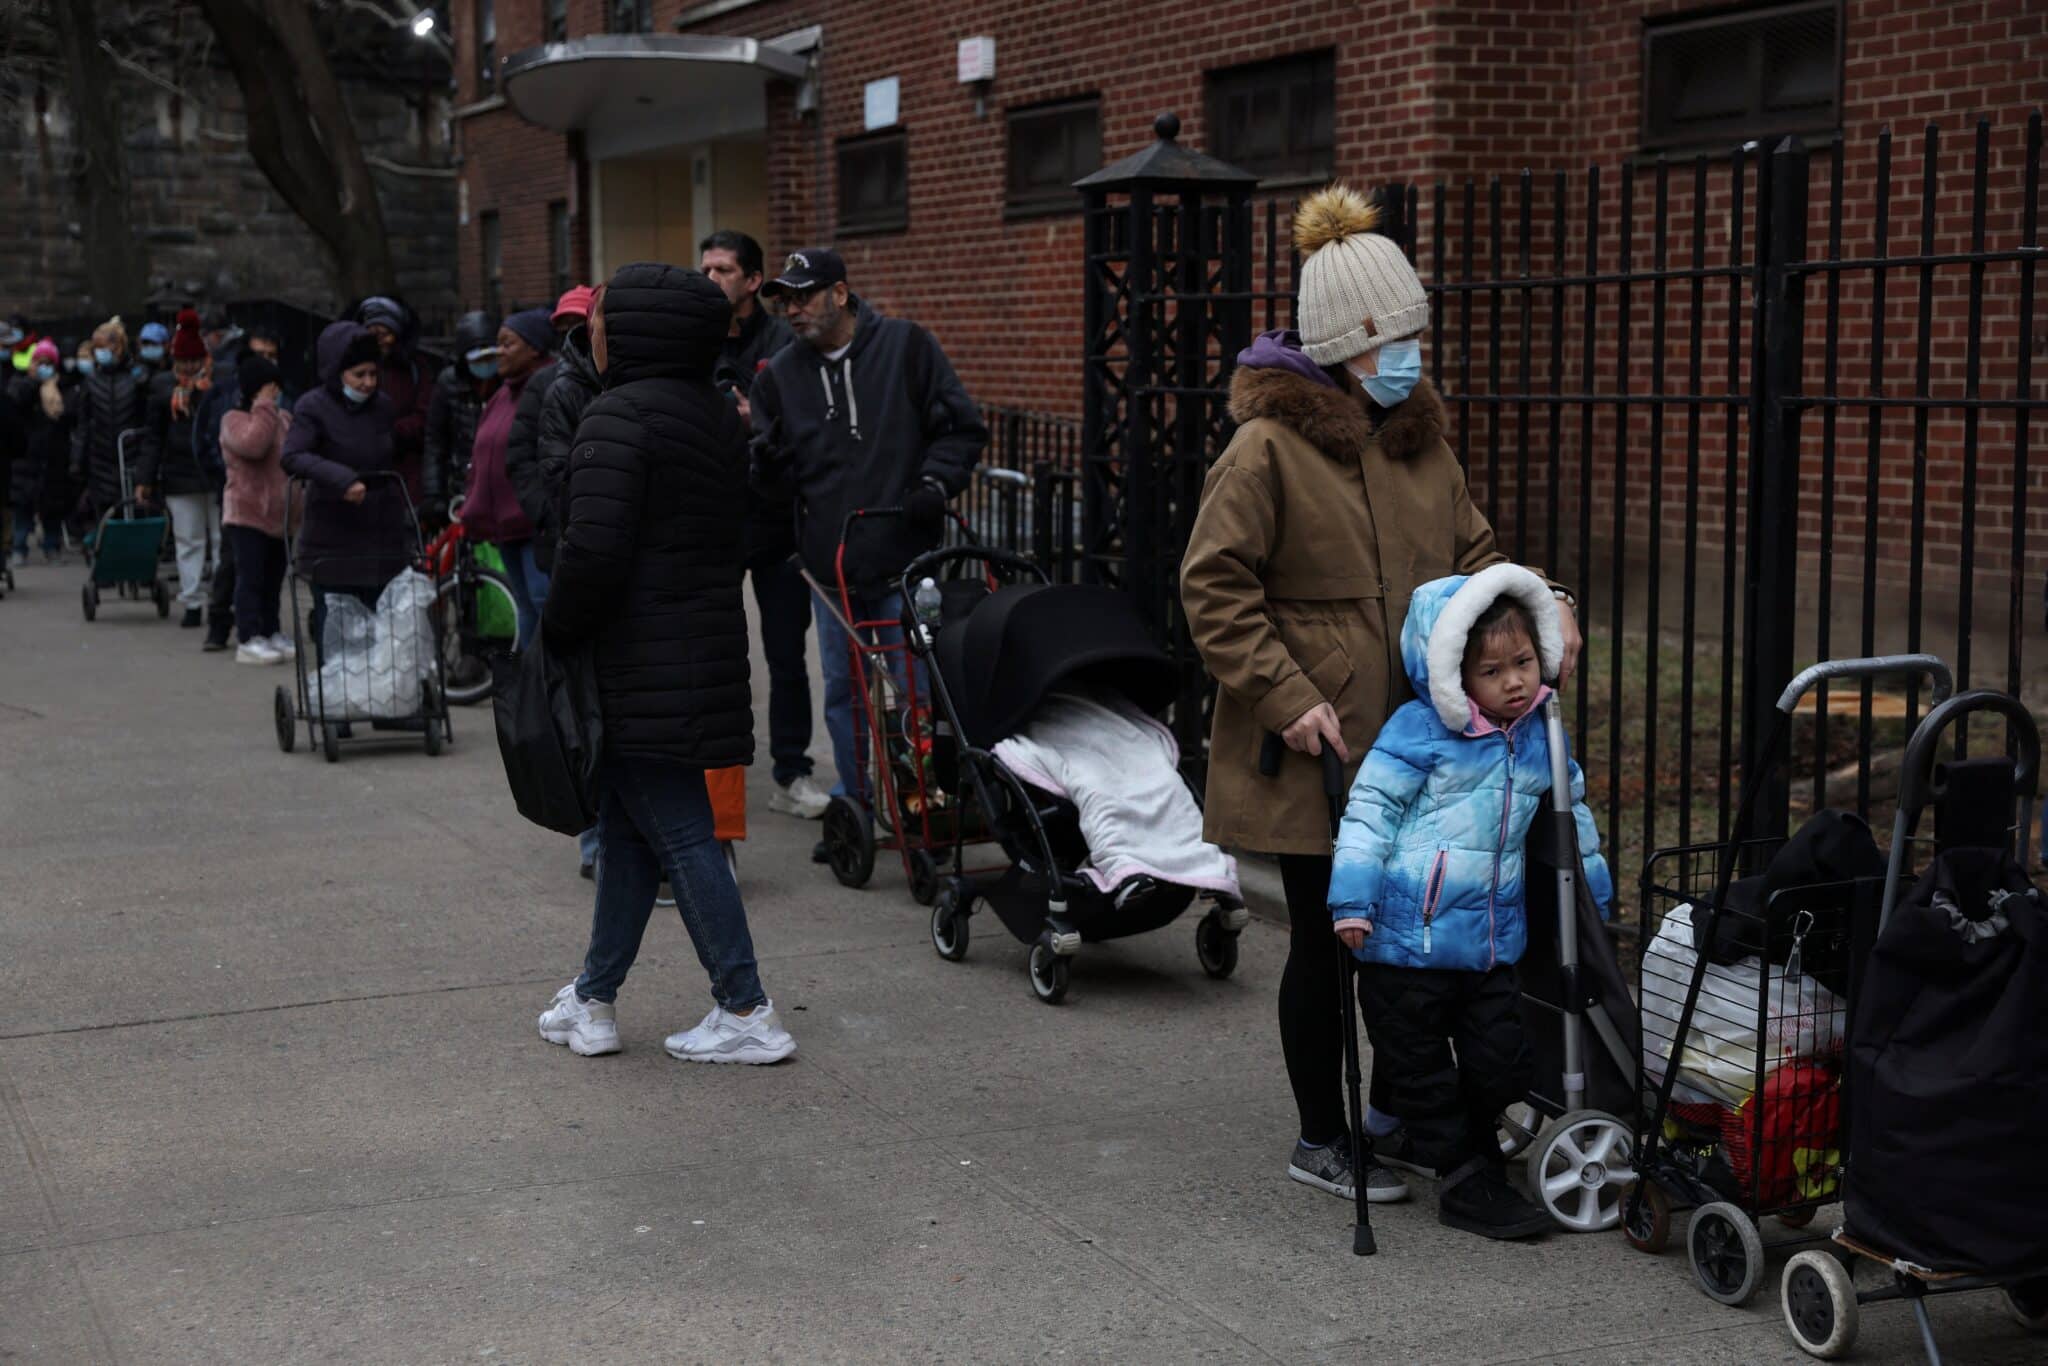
[846, 723]
[529, 586]
[655, 815]
[784, 603]
[586, 845]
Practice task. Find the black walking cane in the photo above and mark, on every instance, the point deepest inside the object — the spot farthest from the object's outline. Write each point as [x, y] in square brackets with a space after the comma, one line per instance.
[1362, 1242]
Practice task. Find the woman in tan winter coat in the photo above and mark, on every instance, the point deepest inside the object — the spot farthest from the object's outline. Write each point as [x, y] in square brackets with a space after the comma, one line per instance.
[1336, 499]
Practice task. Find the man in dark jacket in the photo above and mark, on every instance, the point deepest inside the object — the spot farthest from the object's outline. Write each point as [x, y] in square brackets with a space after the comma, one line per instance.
[171, 472]
[781, 599]
[460, 392]
[112, 404]
[404, 380]
[647, 576]
[860, 411]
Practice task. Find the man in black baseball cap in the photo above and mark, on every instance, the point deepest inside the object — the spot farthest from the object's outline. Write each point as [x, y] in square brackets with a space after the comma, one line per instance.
[859, 411]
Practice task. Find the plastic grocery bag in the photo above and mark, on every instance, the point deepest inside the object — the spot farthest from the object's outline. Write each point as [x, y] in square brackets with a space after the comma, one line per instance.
[373, 662]
[1802, 1018]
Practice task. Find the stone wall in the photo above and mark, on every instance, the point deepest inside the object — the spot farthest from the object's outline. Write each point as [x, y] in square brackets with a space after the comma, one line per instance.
[212, 226]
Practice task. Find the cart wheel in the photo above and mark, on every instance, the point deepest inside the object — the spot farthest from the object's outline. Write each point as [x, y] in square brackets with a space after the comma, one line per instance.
[1646, 1218]
[1049, 973]
[161, 596]
[287, 724]
[949, 925]
[1819, 1299]
[1517, 1128]
[924, 877]
[430, 717]
[1798, 1218]
[849, 843]
[2027, 1302]
[330, 742]
[1216, 947]
[91, 599]
[1582, 1170]
[1727, 1253]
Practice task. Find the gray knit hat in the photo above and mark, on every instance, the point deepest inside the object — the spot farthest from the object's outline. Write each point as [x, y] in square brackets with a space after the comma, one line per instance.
[1357, 290]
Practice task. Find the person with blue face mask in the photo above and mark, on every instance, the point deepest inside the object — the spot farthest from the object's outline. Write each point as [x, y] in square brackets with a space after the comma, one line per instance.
[152, 351]
[1337, 498]
[464, 386]
[110, 401]
[39, 404]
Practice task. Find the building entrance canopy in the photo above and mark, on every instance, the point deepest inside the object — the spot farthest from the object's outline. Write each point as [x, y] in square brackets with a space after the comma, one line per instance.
[630, 92]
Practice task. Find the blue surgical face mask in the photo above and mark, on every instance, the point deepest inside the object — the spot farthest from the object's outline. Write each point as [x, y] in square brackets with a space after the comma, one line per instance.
[152, 352]
[85, 364]
[46, 371]
[103, 355]
[357, 396]
[1399, 366]
[484, 369]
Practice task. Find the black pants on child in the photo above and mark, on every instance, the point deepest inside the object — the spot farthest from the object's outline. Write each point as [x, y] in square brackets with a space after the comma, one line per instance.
[1452, 1051]
[255, 565]
[1311, 1012]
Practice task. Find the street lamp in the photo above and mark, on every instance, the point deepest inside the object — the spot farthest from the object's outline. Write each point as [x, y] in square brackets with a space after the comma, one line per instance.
[423, 23]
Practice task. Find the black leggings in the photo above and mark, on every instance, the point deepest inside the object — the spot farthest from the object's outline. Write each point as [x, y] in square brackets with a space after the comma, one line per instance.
[1311, 1014]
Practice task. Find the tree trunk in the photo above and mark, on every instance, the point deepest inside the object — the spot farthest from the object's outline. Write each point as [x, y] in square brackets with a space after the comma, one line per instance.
[117, 269]
[302, 137]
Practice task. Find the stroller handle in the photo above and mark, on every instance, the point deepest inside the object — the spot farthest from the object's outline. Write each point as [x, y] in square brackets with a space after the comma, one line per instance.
[924, 564]
[1879, 666]
[1273, 749]
[1916, 777]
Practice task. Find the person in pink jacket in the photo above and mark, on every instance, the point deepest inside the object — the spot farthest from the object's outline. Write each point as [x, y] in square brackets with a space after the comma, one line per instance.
[253, 510]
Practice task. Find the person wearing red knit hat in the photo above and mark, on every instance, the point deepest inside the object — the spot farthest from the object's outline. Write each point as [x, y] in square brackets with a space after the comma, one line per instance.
[170, 465]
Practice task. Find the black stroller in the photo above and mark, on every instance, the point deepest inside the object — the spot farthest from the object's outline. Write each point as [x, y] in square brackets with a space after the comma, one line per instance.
[1000, 642]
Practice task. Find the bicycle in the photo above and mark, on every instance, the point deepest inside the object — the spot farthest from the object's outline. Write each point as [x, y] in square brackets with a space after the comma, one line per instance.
[475, 615]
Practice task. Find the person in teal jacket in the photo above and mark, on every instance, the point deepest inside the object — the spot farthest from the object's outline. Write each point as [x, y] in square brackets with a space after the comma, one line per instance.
[1427, 882]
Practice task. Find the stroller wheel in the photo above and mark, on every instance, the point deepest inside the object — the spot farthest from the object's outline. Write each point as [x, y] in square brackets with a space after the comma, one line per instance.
[1646, 1218]
[849, 843]
[1049, 973]
[949, 926]
[330, 742]
[1727, 1253]
[1583, 1170]
[430, 712]
[1216, 947]
[161, 596]
[2027, 1302]
[1818, 1297]
[924, 877]
[287, 724]
[91, 599]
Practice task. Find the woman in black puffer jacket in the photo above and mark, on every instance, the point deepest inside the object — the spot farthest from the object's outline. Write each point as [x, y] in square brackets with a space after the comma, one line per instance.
[648, 575]
[110, 401]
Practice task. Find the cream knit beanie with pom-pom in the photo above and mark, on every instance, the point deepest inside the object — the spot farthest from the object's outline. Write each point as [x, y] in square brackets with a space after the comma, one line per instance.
[1357, 290]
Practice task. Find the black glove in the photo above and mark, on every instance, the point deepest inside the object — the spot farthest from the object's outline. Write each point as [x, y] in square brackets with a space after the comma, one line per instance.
[924, 507]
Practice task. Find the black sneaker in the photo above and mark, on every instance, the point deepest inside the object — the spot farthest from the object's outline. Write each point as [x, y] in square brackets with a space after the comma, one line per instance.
[1476, 1198]
[1328, 1168]
[193, 619]
[1397, 1150]
[214, 644]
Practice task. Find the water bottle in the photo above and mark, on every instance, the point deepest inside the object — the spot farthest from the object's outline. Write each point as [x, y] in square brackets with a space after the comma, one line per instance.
[925, 605]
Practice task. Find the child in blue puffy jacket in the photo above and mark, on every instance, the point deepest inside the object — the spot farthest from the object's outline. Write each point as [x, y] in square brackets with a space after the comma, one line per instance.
[1427, 884]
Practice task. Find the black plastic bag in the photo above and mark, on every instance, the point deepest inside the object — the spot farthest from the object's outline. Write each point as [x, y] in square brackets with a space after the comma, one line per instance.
[550, 735]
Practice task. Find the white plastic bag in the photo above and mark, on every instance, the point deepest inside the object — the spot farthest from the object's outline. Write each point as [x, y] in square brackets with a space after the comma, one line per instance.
[372, 663]
[1802, 1018]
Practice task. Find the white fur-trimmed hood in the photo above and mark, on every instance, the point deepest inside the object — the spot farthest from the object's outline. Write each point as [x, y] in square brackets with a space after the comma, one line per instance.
[1440, 620]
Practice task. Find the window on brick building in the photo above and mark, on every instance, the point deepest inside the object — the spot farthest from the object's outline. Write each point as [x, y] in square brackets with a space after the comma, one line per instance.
[1713, 81]
[554, 20]
[1051, 147]
[486, 48]
[493, 256]
[629, 16]
[558, 247]
[874, 183]
[1276, 119]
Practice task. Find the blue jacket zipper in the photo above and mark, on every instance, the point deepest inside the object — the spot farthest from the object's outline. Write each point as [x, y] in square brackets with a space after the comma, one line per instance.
[1507, 806]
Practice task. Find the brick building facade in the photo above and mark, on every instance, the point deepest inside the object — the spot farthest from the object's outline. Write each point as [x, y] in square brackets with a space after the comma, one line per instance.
[1420, 91]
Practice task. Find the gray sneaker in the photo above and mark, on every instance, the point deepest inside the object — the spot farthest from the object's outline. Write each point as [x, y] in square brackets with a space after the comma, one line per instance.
[1328, 1168]
[1397, 1150]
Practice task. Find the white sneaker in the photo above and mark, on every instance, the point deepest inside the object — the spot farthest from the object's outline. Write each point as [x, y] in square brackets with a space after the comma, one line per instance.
[282, 643]
[726, 1037]
[800, 797]
[258, 651]
[588, 1027]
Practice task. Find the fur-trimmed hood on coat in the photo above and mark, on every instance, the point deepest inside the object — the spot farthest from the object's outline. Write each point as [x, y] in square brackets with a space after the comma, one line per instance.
[1337, 423]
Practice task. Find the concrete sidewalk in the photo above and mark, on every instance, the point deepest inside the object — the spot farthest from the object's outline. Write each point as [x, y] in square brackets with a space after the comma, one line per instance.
[272, 1092]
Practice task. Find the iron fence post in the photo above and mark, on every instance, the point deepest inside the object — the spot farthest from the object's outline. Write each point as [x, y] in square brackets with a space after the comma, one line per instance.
[1771, 577]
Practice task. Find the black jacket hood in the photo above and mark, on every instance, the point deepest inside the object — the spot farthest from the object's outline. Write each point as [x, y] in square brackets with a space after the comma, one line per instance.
[473, 330]
[662, 322]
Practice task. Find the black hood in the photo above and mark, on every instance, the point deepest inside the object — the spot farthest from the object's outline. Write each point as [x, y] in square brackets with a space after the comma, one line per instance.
[574, 356]
[662, 322]
[338, 342]
[473, 330]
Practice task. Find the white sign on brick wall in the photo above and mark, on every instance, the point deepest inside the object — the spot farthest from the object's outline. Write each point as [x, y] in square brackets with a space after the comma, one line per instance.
[881, 103]
[977, 60]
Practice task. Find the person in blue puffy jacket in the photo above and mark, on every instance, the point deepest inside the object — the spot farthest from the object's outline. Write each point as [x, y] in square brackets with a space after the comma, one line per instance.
[1427, 882]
